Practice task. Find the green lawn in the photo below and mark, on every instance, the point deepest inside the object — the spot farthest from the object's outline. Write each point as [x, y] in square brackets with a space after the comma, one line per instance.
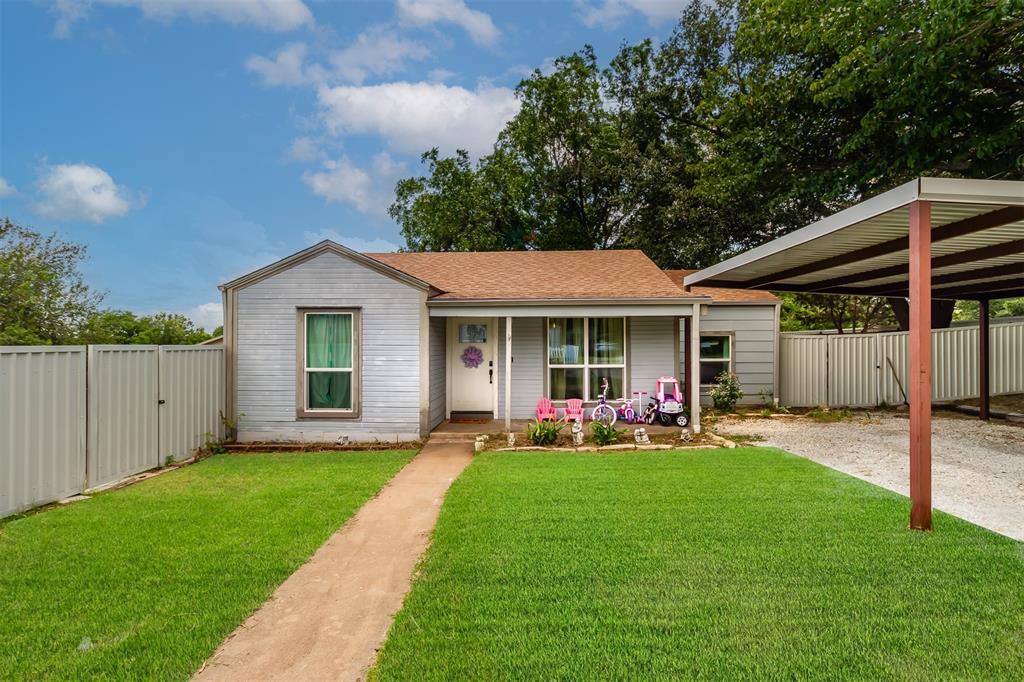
[145, 582]
[749, 563]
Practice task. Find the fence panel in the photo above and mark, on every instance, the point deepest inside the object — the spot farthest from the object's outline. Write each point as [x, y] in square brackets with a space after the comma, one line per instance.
[803, 367]
[42, 425]
[864, 370]
[853, 370]
[192, 395]
[1007, 358]
[123, 418]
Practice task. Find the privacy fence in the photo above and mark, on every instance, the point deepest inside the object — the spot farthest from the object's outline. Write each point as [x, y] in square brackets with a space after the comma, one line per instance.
[75, 418]
[868, 370]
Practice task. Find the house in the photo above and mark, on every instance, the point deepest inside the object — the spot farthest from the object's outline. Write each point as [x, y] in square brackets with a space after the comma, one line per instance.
[331, 343]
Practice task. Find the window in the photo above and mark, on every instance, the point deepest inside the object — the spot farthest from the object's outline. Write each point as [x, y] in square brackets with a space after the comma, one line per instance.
[581, 352]
[715, 357]
[327, 356]
[472, 333]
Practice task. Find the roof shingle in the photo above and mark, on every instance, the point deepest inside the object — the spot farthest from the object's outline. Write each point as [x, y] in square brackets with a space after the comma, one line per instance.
[536, 275]
[723, 294]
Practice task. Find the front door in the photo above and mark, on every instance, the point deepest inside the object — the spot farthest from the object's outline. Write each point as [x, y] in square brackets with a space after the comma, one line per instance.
[471, 359]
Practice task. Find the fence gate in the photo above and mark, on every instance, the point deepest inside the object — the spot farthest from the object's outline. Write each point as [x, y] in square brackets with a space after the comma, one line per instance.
[853, 370]
[123, 418]
[191, 398]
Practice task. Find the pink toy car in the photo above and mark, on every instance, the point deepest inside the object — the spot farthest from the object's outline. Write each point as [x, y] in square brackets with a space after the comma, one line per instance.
[668, 403]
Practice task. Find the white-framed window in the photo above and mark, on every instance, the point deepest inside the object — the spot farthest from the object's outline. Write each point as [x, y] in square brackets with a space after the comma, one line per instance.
[581, 352]
[328, 372]
[715, 357]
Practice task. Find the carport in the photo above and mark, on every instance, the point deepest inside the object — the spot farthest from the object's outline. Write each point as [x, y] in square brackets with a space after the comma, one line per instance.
[929, 239]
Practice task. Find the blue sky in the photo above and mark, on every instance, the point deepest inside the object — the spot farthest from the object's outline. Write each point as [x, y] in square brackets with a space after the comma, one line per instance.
[189, 141]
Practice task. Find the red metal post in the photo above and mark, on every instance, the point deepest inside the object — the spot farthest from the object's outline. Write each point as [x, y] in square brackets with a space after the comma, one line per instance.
[920, 371]
[983, 369]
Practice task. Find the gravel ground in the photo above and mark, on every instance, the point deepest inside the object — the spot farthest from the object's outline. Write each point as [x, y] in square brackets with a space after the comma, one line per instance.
[977, 467]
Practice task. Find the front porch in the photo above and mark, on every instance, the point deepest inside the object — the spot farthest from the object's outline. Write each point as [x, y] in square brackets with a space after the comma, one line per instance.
[499, 365]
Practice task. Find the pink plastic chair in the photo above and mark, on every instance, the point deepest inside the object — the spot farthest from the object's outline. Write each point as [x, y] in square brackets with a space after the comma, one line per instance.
[573, 409]
[546, 410]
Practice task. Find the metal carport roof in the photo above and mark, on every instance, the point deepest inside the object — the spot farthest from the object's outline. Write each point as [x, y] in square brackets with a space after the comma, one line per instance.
[977, 246]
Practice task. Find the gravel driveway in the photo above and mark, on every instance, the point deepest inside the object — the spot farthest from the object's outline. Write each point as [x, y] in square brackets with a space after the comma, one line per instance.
[977, 467]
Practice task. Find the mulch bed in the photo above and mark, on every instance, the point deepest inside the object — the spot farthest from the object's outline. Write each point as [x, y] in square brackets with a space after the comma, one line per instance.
[268, 446]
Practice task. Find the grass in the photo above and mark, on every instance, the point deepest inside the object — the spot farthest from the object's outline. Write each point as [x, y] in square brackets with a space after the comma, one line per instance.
[146, 581]
[746, 563]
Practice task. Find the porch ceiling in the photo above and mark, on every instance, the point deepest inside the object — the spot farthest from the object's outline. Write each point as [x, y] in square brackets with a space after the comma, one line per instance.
[613, 308]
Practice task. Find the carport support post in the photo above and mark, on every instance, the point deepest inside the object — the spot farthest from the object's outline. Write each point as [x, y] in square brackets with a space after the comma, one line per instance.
[508, 375]
[983, 362]
[920, 374]
[693, 356]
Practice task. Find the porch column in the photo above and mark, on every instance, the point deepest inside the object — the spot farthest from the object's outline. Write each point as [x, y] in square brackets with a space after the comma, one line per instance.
[920, 370]
[508, 374]
[984, 399]
[693, 358]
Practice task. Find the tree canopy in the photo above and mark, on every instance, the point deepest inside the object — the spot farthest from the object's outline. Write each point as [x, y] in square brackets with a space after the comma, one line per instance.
[754, 118]
[45, 300]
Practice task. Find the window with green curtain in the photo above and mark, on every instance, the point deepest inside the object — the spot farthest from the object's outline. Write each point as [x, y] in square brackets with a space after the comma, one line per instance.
[582, 351]
[329, 361]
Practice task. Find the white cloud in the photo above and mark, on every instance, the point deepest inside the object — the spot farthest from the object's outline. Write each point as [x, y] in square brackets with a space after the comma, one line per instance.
[209, 316]
[417, 116]
[376, 245]
[610, 13]
[478, 25]
[304, 149]
[79, 191]
[343, 182]
[6, 189]
[288, 67]
[378, 51]
[272, 15]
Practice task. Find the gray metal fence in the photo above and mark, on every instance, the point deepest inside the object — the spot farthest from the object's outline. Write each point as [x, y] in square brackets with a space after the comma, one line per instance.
[75, 418]
[867, 370]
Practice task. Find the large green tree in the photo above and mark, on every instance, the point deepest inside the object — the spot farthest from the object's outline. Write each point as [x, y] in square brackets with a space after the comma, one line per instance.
[43, 297]
[752, 119]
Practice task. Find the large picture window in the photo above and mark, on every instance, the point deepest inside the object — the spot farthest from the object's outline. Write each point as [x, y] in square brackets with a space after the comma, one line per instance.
[328, 375]
[581, 352]
[715, 357]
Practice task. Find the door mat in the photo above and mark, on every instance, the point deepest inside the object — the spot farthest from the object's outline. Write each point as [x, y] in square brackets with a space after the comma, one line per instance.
[471, 418]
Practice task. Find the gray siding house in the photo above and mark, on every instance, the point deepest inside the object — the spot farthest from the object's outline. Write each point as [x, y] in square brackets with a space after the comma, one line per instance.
[329, 343]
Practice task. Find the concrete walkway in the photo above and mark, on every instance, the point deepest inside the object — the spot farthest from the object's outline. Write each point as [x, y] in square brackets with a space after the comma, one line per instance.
[327, 620]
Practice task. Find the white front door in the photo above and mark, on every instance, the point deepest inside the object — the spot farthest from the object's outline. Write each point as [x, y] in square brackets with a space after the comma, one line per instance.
[471, 344]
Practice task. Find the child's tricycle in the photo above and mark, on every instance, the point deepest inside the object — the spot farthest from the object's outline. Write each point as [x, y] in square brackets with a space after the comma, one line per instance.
[667, 404]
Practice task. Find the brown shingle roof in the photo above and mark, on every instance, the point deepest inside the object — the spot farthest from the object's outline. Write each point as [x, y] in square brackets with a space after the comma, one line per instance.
[722, 294]
[538, 275]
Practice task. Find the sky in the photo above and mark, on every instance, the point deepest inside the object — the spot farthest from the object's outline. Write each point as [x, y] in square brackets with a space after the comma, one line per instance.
[187, 142]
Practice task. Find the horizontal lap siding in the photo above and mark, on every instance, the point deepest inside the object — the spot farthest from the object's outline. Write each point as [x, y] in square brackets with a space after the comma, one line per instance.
[265, 348]
[527, 366]
[754, 349]
[652, 352]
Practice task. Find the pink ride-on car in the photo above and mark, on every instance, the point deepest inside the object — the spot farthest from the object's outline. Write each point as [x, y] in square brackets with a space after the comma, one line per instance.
[668, 403]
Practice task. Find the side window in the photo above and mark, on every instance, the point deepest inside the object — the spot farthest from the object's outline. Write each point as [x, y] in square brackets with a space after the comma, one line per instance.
[715, 357]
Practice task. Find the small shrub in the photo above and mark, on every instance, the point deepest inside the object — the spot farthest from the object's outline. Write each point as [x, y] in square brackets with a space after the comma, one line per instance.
[605, 434]
[726, 392]
[543, 432]
[215, 446]
[765, 413]
[168, 460]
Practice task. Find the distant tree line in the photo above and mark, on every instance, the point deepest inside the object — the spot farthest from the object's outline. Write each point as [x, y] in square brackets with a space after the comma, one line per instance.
[754, 118]
[44, 299]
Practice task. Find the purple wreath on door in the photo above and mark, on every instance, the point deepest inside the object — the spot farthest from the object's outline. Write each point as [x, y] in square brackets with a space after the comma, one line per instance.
[472, 357]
